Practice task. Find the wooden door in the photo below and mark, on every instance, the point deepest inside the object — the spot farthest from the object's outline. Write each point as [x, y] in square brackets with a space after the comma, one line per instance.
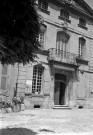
[56, 92]
[62, 93]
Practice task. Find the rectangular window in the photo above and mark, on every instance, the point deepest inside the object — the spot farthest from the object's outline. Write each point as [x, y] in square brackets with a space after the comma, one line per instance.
[82, 47]
[82, 22]
[3, 82]
[41, 39]
[37, 79]
[3, 77]
[43, 5]
[64, 14]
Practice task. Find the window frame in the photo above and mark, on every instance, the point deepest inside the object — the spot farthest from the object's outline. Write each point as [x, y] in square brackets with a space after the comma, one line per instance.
[4, 76]
[63, 17]
[41, 5]
[37, 82]
[42, 36]
[41, 39]
[80, 49]
[82, 23]
[64, 14]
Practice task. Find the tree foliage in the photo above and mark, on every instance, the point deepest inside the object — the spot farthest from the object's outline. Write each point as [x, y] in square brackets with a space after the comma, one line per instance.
[19, 28]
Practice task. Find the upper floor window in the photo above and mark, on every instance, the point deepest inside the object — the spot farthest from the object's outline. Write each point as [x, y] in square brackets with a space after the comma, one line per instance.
[82, 43]
[61, 46]
[82, 23]
[41, 37]
[64, 14]
[43, 5]
[37, 79]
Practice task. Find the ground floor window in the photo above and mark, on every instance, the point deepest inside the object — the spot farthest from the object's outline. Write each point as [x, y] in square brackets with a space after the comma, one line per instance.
[3, 76]
[37, 79]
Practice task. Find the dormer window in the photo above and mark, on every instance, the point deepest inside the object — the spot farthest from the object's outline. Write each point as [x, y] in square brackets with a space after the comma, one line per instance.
[64, 14]
[43, 5]
[82, 23]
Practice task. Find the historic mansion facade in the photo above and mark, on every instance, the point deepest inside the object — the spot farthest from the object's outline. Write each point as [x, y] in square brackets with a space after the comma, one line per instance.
[62, 73]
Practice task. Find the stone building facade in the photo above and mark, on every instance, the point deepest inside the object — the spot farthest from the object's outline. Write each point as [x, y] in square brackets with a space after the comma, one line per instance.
[62, 73]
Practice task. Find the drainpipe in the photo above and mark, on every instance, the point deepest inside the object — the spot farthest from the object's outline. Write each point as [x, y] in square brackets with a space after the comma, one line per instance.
[17, 81]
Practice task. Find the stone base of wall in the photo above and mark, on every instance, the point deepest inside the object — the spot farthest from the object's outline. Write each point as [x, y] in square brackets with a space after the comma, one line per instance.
[72, 104]
[46, 103]
[80, 103]
[89, 104]
[38, 102]
[86, 104]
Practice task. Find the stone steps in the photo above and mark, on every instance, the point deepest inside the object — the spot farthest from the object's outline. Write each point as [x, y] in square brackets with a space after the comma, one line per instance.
[61, 107]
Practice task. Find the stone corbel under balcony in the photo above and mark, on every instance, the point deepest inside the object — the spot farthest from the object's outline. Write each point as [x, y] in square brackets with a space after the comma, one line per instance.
[80, 61]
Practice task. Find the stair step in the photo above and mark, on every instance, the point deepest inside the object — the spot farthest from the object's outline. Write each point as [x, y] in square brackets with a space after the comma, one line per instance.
[61, 107]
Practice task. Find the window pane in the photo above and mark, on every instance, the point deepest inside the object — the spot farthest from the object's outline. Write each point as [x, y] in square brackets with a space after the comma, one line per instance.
[4, 70]
[82, 47]
[64, 14]
[37, 79]
[3, 82]
[43, 4]
[82, 22]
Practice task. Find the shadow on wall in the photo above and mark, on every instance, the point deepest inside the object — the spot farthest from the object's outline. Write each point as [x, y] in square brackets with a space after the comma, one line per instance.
[17, 131]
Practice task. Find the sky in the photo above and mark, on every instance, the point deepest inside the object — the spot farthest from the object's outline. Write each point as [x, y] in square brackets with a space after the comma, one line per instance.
[90, 3]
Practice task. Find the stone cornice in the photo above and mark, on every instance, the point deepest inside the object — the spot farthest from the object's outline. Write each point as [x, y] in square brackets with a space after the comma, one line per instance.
[73, 8]
[80, 12]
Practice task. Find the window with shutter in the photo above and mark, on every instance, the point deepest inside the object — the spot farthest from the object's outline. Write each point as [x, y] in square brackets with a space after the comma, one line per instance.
[3, 82]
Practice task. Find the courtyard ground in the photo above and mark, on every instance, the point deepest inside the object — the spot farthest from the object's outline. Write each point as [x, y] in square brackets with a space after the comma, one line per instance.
[48, 122]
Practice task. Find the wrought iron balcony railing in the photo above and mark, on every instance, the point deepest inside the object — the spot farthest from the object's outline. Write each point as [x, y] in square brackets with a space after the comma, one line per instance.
[62, 56]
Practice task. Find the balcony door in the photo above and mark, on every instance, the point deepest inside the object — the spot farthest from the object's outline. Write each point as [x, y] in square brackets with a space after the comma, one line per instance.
[61, 46]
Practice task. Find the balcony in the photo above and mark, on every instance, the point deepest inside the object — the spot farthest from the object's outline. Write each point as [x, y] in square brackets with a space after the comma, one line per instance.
[81, 60]
[62, 56]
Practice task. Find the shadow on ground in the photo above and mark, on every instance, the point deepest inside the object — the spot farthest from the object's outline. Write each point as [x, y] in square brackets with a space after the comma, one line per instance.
[17, 131]
[46, 130]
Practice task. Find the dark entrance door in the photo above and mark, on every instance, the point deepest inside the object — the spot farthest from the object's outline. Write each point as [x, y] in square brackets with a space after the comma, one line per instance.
[57, 92]
[60, 86]
[59, 95]
[62, 93]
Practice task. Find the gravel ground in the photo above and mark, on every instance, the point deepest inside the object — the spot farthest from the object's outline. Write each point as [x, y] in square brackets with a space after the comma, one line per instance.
[51, 122]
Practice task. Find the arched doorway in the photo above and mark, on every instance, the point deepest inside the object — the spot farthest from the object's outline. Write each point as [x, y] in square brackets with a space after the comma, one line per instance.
[60, 89]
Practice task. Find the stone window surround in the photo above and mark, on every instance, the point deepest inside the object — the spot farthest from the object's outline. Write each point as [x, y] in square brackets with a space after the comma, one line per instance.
[82, 23]
[43, 6]
[35, 89]
[63, 17]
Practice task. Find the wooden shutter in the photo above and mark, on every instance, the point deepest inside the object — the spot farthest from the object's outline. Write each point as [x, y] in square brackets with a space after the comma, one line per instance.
[3, 78]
